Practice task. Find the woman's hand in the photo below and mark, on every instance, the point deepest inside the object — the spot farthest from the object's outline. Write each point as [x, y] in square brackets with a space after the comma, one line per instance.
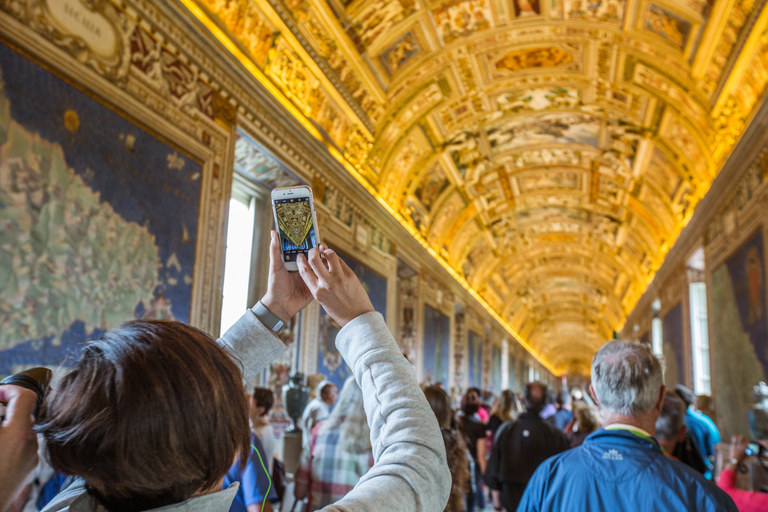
[335, 287]
[286, 292]
[18, 444]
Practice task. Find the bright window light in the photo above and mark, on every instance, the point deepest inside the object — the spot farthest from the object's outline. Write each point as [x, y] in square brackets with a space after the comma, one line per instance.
[237, 265]
[700, 339]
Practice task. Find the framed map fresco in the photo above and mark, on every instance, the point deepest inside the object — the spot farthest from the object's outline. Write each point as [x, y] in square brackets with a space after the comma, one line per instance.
[496, 369]
[98, 219]
[673, 346]
[437, 347]
[512, 375]
[329, 361]
[739, 338]
[475, 360]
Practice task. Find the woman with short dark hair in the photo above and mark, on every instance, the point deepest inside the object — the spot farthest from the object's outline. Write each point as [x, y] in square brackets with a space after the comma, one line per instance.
[153, 413]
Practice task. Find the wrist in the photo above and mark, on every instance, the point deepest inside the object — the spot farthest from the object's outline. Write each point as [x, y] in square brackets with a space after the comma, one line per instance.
[276, 308]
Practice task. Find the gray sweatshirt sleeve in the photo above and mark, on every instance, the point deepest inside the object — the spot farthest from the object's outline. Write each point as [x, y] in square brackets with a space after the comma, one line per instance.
[411, 471]
[251, 345]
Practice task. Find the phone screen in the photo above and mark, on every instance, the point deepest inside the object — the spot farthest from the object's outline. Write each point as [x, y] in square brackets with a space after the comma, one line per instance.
[294, 223]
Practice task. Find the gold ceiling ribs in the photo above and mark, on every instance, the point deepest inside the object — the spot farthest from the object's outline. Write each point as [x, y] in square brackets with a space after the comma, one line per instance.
[521, 144]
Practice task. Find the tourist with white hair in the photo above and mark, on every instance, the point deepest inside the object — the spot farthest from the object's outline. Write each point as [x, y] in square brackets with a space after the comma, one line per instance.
[622, 467]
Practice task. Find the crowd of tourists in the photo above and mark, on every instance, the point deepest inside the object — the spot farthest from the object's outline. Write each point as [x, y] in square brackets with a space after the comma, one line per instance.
[154, 417]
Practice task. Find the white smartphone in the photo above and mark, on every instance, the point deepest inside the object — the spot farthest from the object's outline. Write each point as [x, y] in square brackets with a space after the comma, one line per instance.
[294, 209]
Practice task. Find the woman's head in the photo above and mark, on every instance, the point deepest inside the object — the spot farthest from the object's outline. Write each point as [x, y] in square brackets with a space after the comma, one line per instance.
[506, 407]
[262, 400]
[470, 402]
[440, 403]
[349, 416]
[587, 418]
[153, 412]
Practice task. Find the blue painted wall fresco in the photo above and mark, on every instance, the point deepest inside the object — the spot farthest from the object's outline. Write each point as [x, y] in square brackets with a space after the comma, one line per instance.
[672, 336]
[747, 270]
[739, 337]
[330, 362]
[496, 369]
[512, 375]
[98, 219]
[437, 347]
[475, 360]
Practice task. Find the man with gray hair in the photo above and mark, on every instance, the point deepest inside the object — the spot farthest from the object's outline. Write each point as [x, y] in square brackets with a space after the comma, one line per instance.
[622, 467]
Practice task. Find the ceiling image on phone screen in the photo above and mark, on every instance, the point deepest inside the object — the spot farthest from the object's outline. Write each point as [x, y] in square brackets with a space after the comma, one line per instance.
[294, 219]
[548, 153]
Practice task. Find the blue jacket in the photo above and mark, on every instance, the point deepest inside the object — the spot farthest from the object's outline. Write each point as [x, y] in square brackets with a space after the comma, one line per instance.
[703, 431]
[616, 470]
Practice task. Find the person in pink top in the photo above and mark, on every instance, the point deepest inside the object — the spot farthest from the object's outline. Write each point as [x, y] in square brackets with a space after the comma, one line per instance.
[746, 501]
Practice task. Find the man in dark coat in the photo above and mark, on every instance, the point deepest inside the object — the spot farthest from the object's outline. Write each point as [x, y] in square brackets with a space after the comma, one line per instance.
[520, 447]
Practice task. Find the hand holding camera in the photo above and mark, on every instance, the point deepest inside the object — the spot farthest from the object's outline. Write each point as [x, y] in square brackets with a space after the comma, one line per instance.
[335, 287]
[286, 292]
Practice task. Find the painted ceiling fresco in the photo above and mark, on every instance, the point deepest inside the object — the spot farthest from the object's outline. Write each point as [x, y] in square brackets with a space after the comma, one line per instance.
[548, 151]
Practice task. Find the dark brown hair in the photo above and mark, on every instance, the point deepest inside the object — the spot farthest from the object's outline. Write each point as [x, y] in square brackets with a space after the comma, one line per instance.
[455, 449]
[264, 398]
[153, 412]
[440, 404]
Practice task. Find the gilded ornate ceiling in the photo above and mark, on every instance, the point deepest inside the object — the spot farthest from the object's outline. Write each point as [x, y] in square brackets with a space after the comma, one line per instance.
[548, 151]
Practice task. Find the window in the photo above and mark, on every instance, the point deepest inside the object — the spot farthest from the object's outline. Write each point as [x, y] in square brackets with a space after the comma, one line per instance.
[246, 262]
[237, 263]
[656, 334]
[531, 376]
[700, 339]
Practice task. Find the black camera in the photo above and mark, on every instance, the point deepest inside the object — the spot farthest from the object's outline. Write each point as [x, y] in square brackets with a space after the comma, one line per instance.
[34, 379]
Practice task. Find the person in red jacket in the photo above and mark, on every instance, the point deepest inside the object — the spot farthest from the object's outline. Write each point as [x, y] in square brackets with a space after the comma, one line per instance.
[746, 501]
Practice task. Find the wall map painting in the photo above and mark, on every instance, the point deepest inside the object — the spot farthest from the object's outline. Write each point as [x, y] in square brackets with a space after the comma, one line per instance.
[330, 363]
[496, 369]
[475, 360]
[512, 374]
[98, 219]
[739, 340]
[437, 347]
[673, 346]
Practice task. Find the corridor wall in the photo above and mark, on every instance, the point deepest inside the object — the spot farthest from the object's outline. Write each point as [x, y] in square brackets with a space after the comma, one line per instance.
[734, 242]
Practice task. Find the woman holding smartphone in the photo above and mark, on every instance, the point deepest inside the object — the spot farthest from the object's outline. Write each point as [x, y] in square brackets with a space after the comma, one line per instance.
[154, 413]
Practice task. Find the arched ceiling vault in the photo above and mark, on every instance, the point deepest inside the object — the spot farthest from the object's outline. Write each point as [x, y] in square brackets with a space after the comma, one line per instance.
[547, 152]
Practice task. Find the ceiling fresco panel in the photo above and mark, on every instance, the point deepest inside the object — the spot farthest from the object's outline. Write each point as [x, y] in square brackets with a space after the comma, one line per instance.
[549, 153]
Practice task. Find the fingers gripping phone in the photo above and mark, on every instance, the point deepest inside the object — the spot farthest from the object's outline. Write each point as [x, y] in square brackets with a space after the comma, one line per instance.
[294, 209]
